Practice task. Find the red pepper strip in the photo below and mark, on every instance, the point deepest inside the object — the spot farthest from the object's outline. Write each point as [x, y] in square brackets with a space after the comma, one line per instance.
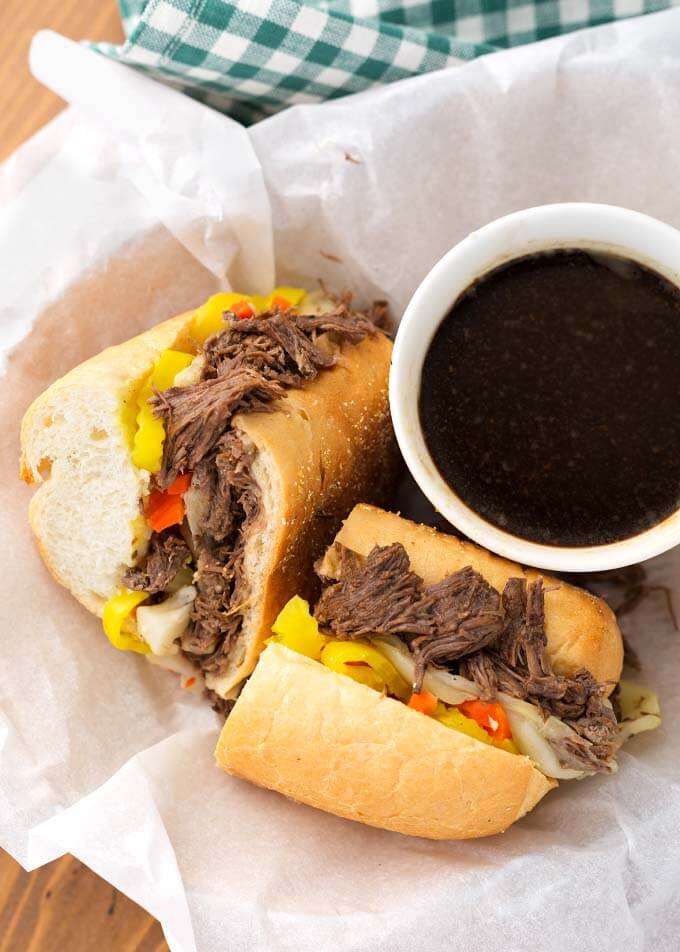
[242, 309]
[180, 485]
[490, 716]
[164, 510]
[280, 303]
[424, 702]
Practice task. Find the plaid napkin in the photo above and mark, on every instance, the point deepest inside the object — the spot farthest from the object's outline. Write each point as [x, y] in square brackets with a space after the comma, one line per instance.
[253, 57]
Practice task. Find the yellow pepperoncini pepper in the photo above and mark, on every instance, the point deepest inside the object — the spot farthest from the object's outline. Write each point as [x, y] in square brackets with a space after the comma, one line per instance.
[209, 319]
[365, 664]
[297, 629]
[147, 447]
[116, 612]
[455, 719]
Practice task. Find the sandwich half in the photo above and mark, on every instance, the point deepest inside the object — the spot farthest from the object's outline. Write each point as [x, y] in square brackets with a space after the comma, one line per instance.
[437, 690]
[188, 478]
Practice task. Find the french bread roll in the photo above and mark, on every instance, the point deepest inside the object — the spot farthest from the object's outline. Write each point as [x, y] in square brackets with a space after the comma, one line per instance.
[327, 741]
[323, 448]
[323, 739]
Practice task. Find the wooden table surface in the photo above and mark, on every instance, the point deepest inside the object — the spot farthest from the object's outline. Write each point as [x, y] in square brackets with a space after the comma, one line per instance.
[25, 105]
[62, 907]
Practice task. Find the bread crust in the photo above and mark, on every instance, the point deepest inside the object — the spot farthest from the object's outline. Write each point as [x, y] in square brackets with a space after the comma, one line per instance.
[581, 629]
[327, 741]
[328, 445]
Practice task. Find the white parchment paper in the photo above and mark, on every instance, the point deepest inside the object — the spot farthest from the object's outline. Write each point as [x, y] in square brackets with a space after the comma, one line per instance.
[137, 203]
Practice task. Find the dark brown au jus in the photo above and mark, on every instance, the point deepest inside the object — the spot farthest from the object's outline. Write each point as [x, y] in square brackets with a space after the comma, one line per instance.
[550, 398]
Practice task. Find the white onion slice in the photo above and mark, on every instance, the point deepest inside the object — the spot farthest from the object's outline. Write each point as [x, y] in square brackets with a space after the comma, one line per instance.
[640, 710]
[534, 740]
[450, 688]
[628, 729]
[191, 374]
[161, 625]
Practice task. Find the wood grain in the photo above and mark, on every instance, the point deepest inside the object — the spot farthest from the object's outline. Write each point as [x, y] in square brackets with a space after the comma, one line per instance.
[63, 907]
[25, 105]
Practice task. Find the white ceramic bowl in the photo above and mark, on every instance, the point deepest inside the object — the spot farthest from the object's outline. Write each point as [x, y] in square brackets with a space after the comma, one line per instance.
[602, 228]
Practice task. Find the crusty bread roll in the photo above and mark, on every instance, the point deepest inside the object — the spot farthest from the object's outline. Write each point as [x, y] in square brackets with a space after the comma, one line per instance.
[581, 629]
[324, 447]
[326, 740]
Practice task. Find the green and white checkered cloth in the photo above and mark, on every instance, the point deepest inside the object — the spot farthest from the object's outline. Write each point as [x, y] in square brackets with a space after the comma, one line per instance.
[253, 57]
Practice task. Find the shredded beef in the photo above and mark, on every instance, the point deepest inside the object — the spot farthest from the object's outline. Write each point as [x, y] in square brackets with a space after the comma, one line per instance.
[376, 596]
[303, 357]
[514, 600]
[196, 417]
[467, 616]
[209, 627]
[523, 651]
[232, 489]
[463, 624]
[509, 679]
[220, 705]
[597, 731]
[381, 595]
[234, 507]
[479, 668]
[524, 670]
[248, 365]
[524, 642]
[166, 555]
[333, 322]
[577, 753]
[564, 697]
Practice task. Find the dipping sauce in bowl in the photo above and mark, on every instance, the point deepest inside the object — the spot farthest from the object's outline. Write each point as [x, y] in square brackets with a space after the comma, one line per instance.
[550, 398]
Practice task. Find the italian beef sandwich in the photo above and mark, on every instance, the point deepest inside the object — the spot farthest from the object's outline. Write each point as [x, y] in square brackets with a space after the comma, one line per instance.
[188, 479]
[436, 690]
